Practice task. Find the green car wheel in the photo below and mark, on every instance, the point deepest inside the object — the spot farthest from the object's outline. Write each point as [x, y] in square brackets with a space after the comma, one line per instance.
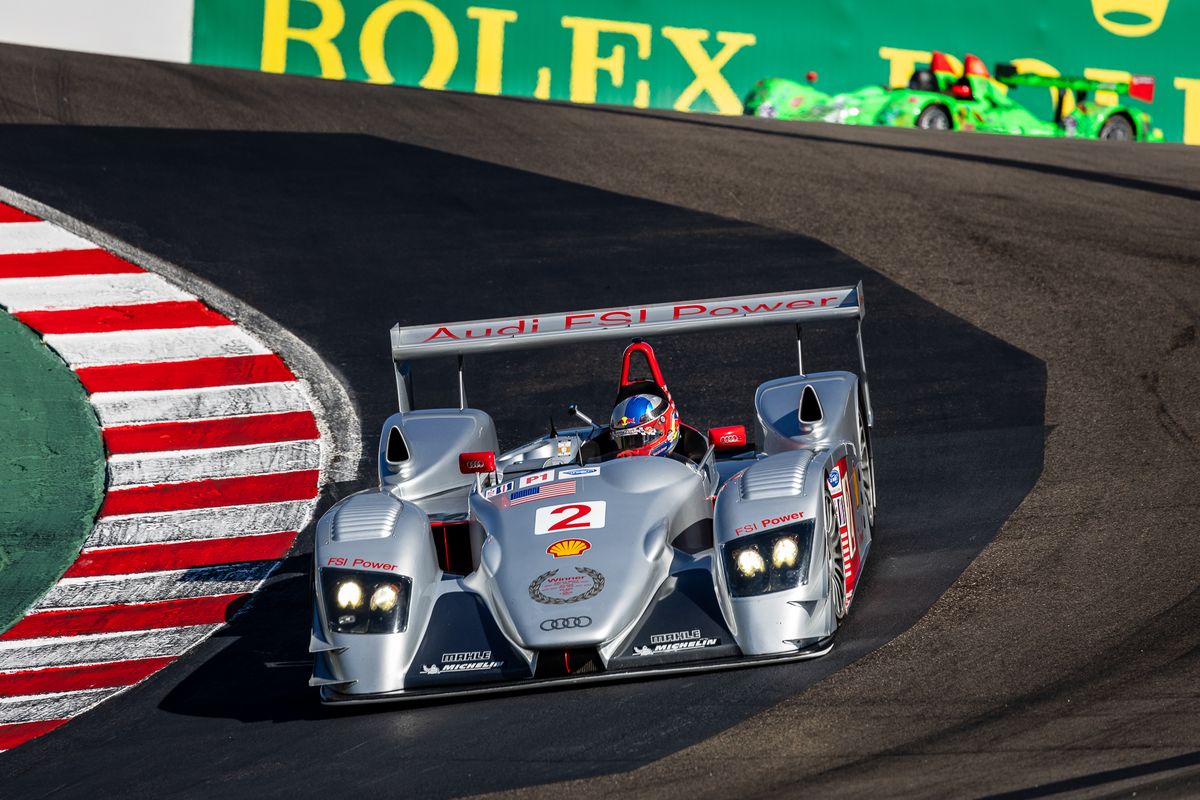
[934, 118]
[1117, 128]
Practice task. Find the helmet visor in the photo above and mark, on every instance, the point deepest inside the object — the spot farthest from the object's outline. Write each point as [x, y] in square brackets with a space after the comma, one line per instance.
[636, 438]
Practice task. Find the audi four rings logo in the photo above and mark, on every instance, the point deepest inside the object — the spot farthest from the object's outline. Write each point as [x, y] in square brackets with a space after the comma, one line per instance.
[564, 623]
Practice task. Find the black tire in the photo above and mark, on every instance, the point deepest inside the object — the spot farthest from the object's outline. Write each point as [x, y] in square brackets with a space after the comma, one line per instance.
[866, 460]
[1117, 128]
[934, 118]
[837, 567]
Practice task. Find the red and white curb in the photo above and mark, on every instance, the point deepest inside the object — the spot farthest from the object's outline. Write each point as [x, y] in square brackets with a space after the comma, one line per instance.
[214, 465]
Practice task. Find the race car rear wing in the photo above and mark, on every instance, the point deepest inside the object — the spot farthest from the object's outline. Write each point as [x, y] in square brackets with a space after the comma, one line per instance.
[1139, 87]
[692, 316]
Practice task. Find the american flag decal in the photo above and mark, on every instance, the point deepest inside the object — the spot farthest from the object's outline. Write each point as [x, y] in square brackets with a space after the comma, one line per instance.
[541, 492]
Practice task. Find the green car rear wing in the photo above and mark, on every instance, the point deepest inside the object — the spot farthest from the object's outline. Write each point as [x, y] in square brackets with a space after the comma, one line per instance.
[1139, 87]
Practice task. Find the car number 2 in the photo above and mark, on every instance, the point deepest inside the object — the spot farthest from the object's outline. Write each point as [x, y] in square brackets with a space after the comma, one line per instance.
[569, 517]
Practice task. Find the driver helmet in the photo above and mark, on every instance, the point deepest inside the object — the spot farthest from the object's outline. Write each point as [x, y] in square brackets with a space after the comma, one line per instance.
[645, 425]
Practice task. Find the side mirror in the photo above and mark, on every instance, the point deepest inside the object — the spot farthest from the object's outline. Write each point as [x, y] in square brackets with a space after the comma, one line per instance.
[469, 463]
[731, 437]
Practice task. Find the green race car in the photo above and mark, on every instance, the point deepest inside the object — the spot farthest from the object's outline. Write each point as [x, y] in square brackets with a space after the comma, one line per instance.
[939, 99]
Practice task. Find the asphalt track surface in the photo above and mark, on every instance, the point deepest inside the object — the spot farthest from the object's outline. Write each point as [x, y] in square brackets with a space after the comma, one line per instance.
[1029, 624]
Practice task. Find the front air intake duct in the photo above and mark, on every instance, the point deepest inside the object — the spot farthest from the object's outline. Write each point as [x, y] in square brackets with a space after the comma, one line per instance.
[563, 663]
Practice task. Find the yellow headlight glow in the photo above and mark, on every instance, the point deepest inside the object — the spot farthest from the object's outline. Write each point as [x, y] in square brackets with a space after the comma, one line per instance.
[349, 595]
[750, 563]
[785, 552]
[384, 598]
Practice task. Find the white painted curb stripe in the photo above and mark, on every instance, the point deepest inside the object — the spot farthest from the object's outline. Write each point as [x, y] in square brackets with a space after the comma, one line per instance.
[39, 707]
[200, 523]
[38, 237]
[147, 587]
[172, 349]
[151, 346]
[67, 651]
[177, 466]
[170, 405]
[85, 291]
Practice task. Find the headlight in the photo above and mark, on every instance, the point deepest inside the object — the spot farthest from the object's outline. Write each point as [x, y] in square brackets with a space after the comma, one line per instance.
[349, 594]
[384, 598]
[769, 562]
[784, 553]
[749, 562]
[344, 596]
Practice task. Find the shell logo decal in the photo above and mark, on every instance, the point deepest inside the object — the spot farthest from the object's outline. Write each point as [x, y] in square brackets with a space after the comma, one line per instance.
[569, 547]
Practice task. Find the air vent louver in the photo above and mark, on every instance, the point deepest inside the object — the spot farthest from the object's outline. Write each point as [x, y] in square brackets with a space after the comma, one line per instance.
[366, 517]
[781, 476]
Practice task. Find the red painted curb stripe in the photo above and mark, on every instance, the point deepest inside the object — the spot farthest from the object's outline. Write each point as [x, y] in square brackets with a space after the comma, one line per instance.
[180, 555]
[129, 617]
[146, 316]
[64, 262]
[10, 214]
[15, 733]
[195, 374]
[244, 490]
[90, 676]
[198, 434]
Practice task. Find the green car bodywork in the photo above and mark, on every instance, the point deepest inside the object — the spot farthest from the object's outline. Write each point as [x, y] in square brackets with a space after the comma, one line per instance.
[973, 102]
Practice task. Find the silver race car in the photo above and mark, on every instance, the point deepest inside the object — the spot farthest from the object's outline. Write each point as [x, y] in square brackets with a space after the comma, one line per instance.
[578, 557]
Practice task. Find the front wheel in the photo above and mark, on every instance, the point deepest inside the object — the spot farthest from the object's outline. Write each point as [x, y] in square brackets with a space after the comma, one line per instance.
[1117, 128]
[837, 567]
[933, 118]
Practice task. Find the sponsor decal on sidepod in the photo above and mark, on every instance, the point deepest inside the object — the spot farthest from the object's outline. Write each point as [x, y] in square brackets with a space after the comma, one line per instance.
[565, 623]
[361, 563]
[462, 662]
[566, 548]
[769, 522]
[552, 589]
[676, 641]
[578, 472]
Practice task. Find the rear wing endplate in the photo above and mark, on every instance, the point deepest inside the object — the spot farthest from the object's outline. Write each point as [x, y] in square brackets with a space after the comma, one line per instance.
[459, 339]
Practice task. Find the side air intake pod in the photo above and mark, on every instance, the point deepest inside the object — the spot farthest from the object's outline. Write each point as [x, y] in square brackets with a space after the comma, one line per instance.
[811, 415]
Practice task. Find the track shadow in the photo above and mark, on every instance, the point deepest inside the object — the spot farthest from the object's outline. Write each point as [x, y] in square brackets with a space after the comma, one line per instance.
[339, 237]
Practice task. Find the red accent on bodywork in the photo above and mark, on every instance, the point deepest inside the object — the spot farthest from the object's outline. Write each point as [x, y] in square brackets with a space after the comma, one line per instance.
[961, 90]
[145, 316]
[940, 63]
[973, 65]
[197, 374]
[156, 437]
[647, 351]
[730, 437]
[1141, 87]
[483, 461]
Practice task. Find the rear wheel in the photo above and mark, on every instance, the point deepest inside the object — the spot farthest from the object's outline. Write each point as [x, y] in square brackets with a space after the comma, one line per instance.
[837, 568]
[1117, 128]
[867, 468]
[934, 118]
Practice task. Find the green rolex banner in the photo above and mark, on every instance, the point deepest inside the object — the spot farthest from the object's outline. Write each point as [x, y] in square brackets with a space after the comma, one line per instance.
[704, 55]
